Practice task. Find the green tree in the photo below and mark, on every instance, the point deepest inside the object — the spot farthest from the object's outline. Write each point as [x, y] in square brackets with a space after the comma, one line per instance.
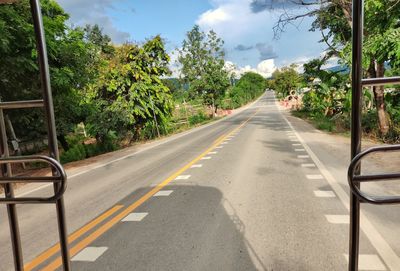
[285, 80]
[202, 59]
[71, 67]
[128, 88]
[381, 36]
[250, 86]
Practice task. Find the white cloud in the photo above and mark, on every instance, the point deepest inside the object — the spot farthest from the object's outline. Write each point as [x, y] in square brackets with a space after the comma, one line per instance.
[265, 68]
[95, 12]
[212, 17]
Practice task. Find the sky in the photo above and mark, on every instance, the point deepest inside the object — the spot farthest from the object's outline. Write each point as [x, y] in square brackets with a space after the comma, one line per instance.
[246, 26]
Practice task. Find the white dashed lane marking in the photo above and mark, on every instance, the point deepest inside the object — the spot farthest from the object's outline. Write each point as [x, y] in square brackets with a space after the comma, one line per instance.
[196, 166]
[163, 193]
[296, 144]
[314, 177]
[206, 158]
[308, 165]
[324, 194]
[212, 152]
[182, 177]
[303, 156]
[132, 217]
[89, 254]
[338, 219]
[369, 262]
[299, 150]
[219, 147]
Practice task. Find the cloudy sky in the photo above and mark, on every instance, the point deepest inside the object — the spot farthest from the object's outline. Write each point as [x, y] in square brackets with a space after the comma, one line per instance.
[245, 25]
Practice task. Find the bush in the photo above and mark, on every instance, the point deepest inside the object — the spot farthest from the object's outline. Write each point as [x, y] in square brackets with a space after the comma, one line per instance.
[81, 151]
[198, 118]
[75, 153]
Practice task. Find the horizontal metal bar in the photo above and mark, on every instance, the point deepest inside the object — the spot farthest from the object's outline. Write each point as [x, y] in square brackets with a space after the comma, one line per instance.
[30, 200]
[354, 179]
[381, 81]
[27, 179]
[376, 177]
[60, 177]
[21, 104]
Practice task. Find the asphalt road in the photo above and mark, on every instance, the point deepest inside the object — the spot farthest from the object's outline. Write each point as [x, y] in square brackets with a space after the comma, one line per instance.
[256, 191]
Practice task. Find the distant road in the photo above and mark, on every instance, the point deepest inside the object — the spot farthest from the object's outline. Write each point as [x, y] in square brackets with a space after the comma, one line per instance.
[256, 191]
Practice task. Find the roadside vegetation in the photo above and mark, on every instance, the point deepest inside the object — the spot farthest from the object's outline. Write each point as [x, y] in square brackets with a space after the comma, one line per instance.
[326, 93]
[106, 95]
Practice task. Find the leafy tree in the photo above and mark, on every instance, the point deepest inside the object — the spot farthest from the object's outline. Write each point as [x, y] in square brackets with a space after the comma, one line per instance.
[128, 88]
[381, 35]
[250, 86]
[71, 67]
[285, 80]
[202, 59]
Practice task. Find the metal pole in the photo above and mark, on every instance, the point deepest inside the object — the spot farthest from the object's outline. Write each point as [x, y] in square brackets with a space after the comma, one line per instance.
[9, 193]
[51, 128]
[356, 73]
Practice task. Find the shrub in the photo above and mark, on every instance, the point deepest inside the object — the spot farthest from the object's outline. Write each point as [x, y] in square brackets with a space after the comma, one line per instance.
[198, 118]
[75, 153]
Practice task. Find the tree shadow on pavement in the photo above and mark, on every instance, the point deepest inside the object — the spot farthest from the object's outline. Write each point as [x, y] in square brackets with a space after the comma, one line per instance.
[194, 228]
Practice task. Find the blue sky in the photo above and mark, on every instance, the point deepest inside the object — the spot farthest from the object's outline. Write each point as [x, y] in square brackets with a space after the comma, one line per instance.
[245, 26]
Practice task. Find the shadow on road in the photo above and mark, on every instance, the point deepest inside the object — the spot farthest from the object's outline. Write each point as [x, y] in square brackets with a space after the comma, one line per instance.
[188, 230]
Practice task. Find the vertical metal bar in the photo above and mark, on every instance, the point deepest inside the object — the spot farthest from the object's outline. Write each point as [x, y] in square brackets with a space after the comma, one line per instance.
[9, 193]
[51, 128]
[356, 73]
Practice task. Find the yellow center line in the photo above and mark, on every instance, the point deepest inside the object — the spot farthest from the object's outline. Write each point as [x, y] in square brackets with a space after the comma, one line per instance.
[105, 227]
[54, 249]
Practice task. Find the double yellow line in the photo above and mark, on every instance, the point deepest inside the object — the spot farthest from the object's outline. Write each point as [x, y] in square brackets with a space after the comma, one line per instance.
[106, 226]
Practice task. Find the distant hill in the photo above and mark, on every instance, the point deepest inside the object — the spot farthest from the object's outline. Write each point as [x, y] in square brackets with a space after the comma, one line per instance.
[339, 68]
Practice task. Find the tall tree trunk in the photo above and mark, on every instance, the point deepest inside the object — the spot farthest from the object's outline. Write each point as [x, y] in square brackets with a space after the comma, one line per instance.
[379, 96]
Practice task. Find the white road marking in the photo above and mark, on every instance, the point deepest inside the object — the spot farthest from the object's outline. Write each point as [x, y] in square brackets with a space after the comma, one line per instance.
[299, 150]
[294, 140]
[314, 177]
[303, 156]
[206, 158]
[89, 254]
[382, 247]
[324, 194]
[296, 144]
[163, 193]
[212, 152]
[224, 143]
[338, 219]
[162, 142]
[369, 262]
[196, 166]
[308, 165]
[133, 217]
[219, 147]
[182, 177]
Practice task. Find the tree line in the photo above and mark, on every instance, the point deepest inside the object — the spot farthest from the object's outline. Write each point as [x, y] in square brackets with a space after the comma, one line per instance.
[330, 96]
[116, 91]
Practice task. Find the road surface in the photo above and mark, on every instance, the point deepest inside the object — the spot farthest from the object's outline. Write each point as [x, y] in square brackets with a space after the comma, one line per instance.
[259, 190]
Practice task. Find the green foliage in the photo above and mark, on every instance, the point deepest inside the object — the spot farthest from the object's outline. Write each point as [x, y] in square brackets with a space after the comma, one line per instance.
[202, 59]
[285, 80]
[72, 63]
[129, 88]
[250, 86]
[75, 153]
[198, 118]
